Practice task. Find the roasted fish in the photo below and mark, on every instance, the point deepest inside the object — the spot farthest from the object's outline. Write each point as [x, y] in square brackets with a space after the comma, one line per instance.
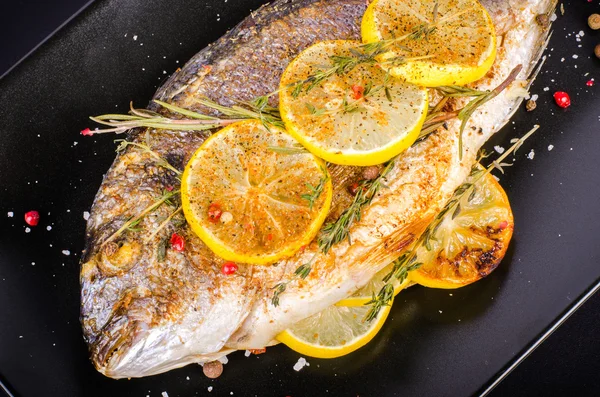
[146, 309]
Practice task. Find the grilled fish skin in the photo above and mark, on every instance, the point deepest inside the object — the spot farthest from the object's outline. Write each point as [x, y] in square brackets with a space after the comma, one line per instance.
[143, 314]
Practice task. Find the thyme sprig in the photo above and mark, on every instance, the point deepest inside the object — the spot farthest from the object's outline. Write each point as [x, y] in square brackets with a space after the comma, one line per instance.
[480, 98]
[163, 224]
[135, 220]
[301, 271]
[315, 191]
[407, 262]
[334, 232]
[123, 144]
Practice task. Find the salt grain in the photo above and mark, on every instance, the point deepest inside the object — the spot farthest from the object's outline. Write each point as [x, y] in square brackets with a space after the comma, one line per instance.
[223, 360]
[499, 149]
[165, 394]
[48, 228]
[300, 364]
[210, 388]
[534, 97]
[86, 215]
[27, 230]
[531, 154]
[546, 88]
[550, 147]
[10, 214]
[575, 56]
[66, 252]
[247, 353]
[135, 37]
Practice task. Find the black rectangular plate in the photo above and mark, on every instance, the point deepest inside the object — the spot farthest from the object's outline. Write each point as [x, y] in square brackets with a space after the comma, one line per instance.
[436, 342]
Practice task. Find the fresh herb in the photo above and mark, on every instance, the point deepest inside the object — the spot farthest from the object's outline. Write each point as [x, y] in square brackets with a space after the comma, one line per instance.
[480, 98]
[334, 232]
[161, 249]
[123, 144]
[295, 149]
[163, 224]
[258, 109]
[133, 226]
[407, 262]
[313, 110]
[302, 271]
[278, 290]
[315, 191]
[136, 219]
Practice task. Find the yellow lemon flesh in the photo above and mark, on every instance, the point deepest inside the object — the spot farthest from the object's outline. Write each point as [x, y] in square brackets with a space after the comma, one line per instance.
[250, 203]
[470, 245]
[358, 117]
[334, 332]
[453, 43]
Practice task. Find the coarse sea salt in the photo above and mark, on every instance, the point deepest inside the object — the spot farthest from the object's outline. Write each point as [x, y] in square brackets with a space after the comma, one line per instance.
[10, 214]
[531, 155]
[300, 364]
[550, 147]
[86, 215]
[66, 252]
[223, 360]
[499, 149]
[164, 394]
[210, 388]
[247, 353]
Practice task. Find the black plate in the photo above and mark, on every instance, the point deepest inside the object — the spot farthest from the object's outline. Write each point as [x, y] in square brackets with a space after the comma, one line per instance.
[435, 342]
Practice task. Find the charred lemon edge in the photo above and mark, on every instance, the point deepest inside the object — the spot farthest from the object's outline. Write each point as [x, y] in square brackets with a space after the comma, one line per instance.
[420, 277]
[222, 250]
[288, 338]
[373, 157]
[422, 73]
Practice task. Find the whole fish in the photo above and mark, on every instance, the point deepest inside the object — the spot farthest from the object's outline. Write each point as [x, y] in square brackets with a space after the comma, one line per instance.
[147, 309]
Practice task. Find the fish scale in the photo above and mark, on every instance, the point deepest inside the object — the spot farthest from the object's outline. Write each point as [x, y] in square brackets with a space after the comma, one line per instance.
[149, 315]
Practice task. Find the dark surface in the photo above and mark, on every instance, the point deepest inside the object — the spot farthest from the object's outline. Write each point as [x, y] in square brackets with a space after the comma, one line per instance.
[90, 66]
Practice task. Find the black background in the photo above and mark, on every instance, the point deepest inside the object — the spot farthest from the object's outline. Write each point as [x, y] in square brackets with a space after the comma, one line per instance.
[568, 361]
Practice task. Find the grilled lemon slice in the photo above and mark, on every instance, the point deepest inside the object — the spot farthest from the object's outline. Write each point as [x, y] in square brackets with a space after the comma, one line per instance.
[334, 332]
[365, 294]
[469, 245]
[250, 203]
[359, 116]
[455, 39]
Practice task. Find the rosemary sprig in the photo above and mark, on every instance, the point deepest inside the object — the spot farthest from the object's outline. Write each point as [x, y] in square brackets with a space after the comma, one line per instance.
[334, 232]
[315, 191]
[407, 262]
[258, 109]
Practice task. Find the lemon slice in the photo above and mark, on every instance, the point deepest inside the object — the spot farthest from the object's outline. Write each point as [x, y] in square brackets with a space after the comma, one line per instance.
[250, 203]
[456, 40]
[470, 246]
[334, 332]
[359, 117]
[365, 294]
